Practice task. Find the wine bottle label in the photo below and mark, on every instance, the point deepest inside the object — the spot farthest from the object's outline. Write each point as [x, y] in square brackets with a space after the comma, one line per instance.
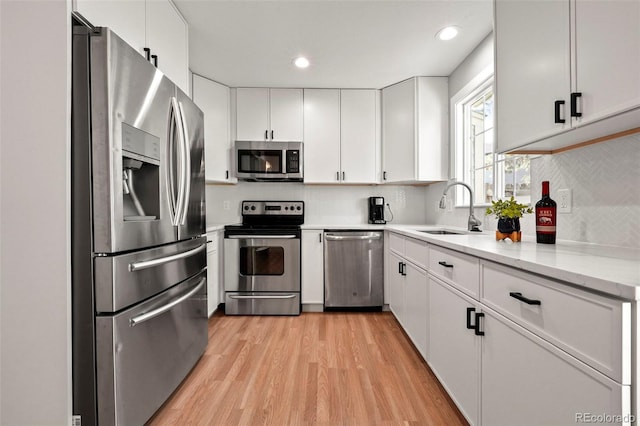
[546, 220]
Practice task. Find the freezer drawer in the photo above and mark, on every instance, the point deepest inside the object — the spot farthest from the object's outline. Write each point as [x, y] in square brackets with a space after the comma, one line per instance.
[144, 353]
[128, 278]
[260, 303]
[353, 271]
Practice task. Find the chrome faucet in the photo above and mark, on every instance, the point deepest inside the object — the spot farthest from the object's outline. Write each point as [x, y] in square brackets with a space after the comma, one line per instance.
[473, 223]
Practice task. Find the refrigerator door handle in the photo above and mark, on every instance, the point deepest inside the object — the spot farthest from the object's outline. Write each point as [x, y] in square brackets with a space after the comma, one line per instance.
[144, 264]
[186, 167]
[180, 161]
[138, 319]
[171, 160]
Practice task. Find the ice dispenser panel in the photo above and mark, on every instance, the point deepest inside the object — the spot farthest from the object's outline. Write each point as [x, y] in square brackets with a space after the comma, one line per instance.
[140, 174]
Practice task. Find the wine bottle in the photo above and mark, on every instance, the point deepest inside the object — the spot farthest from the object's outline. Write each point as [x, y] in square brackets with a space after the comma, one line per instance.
[546, 217]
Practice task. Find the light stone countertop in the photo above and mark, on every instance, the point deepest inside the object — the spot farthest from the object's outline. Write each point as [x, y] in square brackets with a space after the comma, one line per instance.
[611, 270]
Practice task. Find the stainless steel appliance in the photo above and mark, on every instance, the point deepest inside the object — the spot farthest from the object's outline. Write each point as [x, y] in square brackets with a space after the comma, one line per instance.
[138, 262]
[269, 161]
[263, 277]
[353, 271]
[376, 210]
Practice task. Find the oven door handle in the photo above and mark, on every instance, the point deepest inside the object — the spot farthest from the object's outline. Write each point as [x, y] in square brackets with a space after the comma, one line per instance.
[162, 309]
[144, 264]
[261, 237]
[287, 296]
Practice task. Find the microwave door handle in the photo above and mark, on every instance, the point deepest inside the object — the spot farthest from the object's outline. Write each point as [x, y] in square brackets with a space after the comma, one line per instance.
[180, 162]
[186, 158]
[171, 178]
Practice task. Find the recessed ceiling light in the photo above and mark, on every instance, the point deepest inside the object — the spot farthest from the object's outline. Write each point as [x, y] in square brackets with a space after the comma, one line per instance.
[447, 33]
[301, 62]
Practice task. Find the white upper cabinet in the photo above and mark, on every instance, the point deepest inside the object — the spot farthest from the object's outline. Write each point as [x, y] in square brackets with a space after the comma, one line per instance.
[359, 136]
[153, 24]
[341, 137]
[213, 99]
[167, 37]
[321, 135]
[269, 114]
[415, 134]
[562, 65]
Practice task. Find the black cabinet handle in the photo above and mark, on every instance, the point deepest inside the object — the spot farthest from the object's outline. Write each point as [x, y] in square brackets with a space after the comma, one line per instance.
[469, 312]
[343, 178]
[226, 174]
[155, 60]
[574, 104]
[272, 135]
[320, 237]
[400, 268]
[384, 175]
[266, 134]
[404, 269]
[557, 113]
[147, 53]
[521, 298]
[476, 327]
[337, 175]
[445, 264]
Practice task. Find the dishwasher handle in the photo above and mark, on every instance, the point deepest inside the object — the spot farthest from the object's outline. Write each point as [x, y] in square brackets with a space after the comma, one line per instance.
[334, 237]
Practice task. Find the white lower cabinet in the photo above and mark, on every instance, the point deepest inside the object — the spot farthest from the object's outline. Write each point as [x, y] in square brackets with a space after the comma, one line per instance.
[213, 271]
[312, 268]
[454, 347]
[528, 381]
[510, 347]
[408, 298]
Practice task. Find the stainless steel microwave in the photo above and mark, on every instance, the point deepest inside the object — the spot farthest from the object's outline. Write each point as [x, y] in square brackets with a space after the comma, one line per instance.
[269, 161]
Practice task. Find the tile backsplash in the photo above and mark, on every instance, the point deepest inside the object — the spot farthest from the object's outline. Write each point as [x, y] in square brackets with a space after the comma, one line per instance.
[605, 182]
[324, 204]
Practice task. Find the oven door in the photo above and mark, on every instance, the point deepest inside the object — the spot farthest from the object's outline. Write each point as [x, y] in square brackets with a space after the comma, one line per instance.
[259, 263]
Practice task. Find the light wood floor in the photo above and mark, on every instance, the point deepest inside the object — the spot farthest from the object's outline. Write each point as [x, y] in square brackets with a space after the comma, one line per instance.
[312, 369]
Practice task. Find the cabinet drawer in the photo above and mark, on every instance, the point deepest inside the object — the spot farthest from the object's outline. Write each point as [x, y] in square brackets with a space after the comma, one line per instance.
[460, 270]
[417, 252]
[396, 243]
[593, 328]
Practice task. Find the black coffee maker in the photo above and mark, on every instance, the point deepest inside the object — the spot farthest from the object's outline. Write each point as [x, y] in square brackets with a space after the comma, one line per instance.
[376, 210]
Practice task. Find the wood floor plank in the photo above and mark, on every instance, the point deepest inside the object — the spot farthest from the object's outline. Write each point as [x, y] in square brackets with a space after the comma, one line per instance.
[314, 369]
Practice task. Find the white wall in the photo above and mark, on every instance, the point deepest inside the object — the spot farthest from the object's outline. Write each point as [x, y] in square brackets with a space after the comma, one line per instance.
[324, 204]
[35, 325]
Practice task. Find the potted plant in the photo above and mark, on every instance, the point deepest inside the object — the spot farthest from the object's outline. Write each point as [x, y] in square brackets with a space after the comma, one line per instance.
[508, 213]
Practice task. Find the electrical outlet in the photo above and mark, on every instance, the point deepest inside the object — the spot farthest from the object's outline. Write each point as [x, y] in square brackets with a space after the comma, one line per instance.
[564, 201]
[226, 205]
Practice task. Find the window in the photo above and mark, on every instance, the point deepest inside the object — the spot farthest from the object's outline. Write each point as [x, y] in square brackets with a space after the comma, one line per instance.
[491, 175]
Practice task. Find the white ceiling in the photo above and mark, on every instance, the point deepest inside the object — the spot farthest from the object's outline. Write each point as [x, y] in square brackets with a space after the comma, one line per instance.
[350, 44]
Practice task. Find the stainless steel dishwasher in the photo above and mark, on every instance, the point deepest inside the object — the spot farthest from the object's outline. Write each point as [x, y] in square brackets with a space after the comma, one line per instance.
[353, 269]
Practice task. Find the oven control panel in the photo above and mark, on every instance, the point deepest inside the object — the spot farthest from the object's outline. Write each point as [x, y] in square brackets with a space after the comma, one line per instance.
[273, 208]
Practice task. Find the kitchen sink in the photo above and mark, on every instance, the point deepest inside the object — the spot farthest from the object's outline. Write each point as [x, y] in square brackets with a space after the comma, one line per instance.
[442, 232]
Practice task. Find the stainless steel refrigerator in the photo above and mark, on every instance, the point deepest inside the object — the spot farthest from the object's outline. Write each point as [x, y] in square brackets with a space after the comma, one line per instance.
[138, 216]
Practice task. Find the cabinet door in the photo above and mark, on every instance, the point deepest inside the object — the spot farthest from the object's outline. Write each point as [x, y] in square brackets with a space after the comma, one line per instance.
[526, 380]
[167, 36]
[213, 99]
[398, 131]
[359, 148]
[533, 71]
[252, 114]
[312, 267]
[213, 267]
[286, 115]
[126, 19]
[607, 66]
[454, 350]
[321, 135]
[416, 300]
[396, 287]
